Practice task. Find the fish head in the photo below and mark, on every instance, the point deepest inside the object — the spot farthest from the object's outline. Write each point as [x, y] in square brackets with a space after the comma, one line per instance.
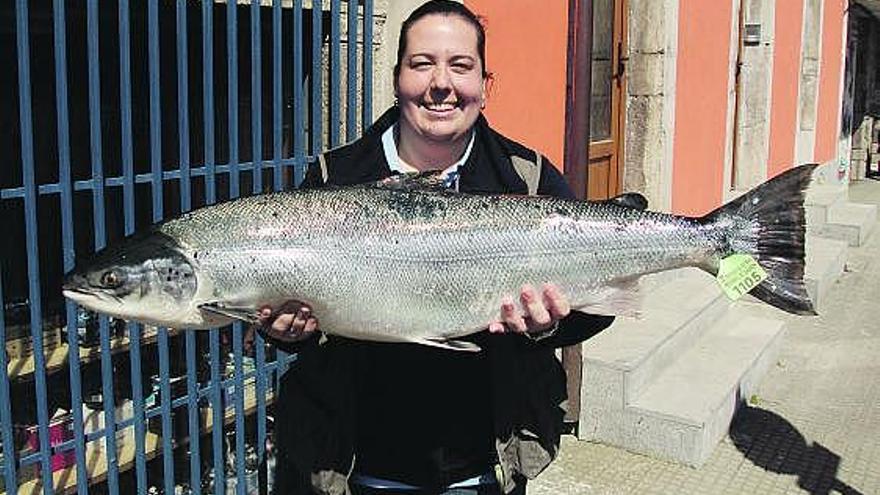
[145, 278]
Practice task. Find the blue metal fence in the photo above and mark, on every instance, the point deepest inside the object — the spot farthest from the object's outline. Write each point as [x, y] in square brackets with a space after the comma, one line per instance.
[123, 75]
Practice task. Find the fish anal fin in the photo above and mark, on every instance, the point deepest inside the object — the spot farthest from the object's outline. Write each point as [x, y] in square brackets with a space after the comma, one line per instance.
[245, 314]
[622, 298]
[450, 344]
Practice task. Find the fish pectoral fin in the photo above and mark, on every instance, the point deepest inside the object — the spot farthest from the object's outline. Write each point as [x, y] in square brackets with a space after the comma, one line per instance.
[623, 298]
[245, 314]
[450, 344]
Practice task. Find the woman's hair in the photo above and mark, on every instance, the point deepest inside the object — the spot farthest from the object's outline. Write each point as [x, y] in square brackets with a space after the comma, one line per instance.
[442, 7]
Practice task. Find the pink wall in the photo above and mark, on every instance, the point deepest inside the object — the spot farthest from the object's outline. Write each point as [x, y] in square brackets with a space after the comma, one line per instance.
[702, 86]
[786, 78]
[526, 51]
[830, 72]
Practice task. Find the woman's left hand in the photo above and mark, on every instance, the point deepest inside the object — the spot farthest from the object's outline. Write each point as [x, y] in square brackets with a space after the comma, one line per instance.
[542, 312]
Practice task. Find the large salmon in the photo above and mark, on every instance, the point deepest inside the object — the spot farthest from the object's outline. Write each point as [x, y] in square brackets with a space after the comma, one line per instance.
[393, 262]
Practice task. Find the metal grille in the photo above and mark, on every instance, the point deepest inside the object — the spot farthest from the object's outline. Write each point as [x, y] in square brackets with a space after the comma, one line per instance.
[117, 116]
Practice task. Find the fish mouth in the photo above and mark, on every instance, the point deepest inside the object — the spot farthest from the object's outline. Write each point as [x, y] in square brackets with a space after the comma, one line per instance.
[80, 295]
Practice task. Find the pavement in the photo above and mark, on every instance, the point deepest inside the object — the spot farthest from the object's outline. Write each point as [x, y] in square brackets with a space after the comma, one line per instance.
[813, 426]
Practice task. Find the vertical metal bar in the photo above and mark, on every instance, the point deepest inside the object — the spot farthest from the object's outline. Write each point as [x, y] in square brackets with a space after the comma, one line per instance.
[278, 103]
[351, 86]
[367, 98]
[138, 406]
[155, 109]
[192, 394]
[335, 71]
[109, 404]
[134, 330]
[238, 351]
[95, 141]
[9, 461]
[125, 104]
[30, 212]
[217, 413]
[298, 113]
[232, 74]
[211, 197]
[257, 90]
[260, 344]
[208, 95]
[165, 391]
[256, 98]
[183, 106]
[192, 382]
[66, 198]
[317, 81]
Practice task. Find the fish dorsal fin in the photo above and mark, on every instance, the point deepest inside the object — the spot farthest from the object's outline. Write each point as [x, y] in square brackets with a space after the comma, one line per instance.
[432, 180]
[632, 200]
[245, 314]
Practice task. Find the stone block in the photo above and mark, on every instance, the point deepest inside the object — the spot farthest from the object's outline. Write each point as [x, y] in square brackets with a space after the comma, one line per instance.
[645, 73]
[647, 13]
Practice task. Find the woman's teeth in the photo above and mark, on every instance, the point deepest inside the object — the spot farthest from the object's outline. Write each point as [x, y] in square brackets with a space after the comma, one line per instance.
[439, 107]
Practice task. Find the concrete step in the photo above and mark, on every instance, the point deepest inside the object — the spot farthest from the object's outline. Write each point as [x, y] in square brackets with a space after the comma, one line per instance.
[826, 259]
[820, 199]
[851, 222]
[620, 362]
[687, 408]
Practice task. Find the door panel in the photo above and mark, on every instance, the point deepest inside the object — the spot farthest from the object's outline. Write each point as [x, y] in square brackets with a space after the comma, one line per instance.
[606, 100]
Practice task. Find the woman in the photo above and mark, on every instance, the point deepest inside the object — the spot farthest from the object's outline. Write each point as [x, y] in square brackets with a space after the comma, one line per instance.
[405, 418]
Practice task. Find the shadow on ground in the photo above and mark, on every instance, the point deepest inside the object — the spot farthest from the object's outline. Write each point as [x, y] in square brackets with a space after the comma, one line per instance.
[771, 442]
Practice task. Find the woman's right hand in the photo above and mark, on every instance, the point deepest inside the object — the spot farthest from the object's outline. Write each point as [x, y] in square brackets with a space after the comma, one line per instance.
[292, 322]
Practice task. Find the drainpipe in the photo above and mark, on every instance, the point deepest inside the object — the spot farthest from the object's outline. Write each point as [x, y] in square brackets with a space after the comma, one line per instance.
[579, 68]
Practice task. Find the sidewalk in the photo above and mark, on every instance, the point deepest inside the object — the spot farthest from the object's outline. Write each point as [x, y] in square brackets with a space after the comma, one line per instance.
[813, 427]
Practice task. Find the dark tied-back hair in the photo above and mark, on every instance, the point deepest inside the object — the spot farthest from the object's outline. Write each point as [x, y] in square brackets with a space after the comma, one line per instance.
[442, 7]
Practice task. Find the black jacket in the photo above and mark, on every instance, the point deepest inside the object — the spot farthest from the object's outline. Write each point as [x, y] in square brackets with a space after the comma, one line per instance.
[420, 415]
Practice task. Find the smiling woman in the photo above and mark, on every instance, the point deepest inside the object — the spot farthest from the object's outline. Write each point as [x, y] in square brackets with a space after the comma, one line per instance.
[368, 417]
[440, 88]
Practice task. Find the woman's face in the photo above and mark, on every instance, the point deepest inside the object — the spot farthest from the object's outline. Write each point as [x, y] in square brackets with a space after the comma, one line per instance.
[440, 87]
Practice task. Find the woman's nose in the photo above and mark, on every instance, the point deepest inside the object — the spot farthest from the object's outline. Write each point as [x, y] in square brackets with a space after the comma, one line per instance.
[440, 78]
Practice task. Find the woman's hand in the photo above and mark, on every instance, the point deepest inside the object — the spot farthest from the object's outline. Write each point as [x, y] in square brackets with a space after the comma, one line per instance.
[292, 322]
[542, 313]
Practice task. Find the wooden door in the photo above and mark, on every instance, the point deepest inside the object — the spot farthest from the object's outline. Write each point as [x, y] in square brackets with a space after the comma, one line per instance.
[604, 172]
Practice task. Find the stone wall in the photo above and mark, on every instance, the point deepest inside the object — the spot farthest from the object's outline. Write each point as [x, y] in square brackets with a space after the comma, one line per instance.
[650, 100]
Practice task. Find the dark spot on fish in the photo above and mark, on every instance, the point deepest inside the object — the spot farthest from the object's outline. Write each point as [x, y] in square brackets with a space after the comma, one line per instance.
[196, 255]
[411, 205]
[562, 211]
[274, 214]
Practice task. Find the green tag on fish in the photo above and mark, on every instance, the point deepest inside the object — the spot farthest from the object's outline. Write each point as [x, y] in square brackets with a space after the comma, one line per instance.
[738, 274]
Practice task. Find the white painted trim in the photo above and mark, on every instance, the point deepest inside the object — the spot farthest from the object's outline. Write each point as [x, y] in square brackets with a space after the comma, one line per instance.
[844, 143]
[670, 71]
[805, 141]
[732, 54]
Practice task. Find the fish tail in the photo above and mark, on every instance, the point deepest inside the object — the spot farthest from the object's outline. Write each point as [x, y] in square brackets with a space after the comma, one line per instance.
[769, 223]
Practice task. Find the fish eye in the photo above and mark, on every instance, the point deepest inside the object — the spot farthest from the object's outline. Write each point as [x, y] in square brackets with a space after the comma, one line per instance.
[111, 279]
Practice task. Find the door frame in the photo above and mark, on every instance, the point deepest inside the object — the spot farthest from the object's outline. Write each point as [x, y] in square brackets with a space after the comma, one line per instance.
[577, 157]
